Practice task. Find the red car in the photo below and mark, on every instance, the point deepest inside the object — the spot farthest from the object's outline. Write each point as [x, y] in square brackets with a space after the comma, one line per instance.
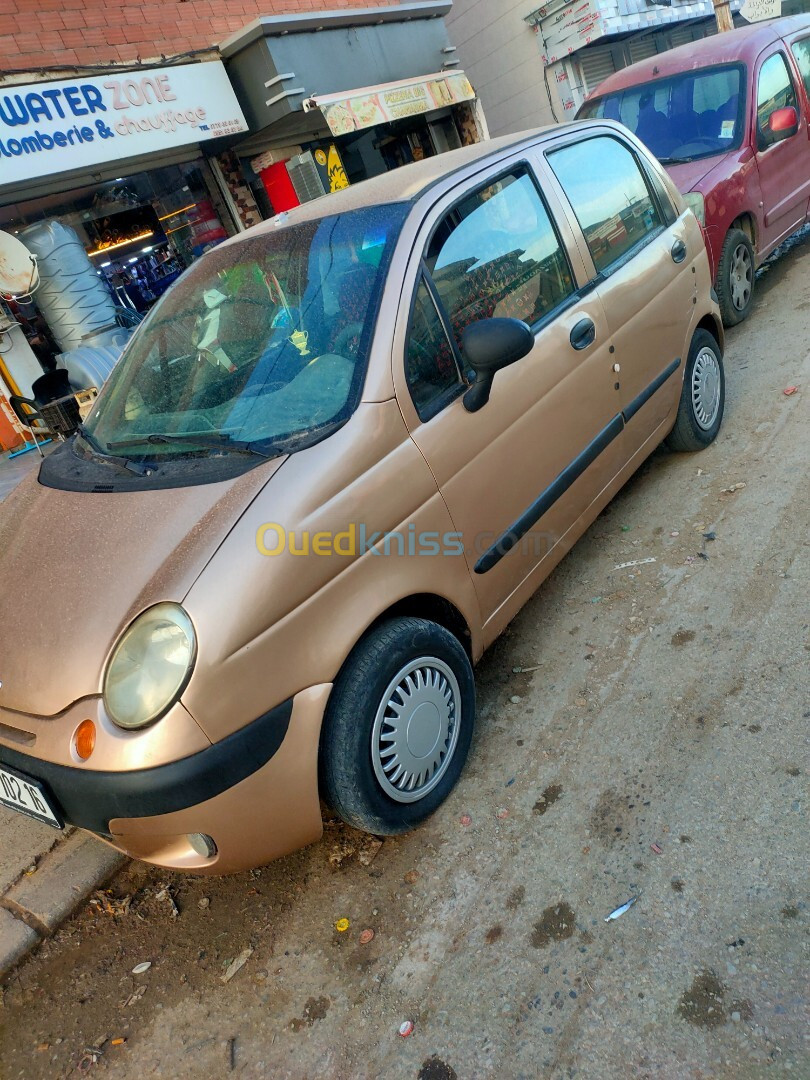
[728, 117]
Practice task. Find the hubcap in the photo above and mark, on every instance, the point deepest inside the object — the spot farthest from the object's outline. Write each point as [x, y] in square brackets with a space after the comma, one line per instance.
[742, 277]
[416, 729]
[706, 388]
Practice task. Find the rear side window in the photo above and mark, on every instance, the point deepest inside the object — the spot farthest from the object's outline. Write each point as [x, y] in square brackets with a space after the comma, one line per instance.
[801, 50]
[774, 91]
[496, 254]
[608, 192]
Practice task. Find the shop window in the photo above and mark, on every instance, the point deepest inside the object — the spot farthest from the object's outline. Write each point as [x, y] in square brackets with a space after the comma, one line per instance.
[609, 195]
[774, 91]
[497, 254]
[430, 363]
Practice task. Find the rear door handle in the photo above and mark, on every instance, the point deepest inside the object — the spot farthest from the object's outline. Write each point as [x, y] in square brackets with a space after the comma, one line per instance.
[583, 334]
[678, 251]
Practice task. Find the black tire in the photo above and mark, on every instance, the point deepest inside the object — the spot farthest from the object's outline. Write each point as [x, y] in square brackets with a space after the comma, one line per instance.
[349, 783]
[695, 429]
[735, 301]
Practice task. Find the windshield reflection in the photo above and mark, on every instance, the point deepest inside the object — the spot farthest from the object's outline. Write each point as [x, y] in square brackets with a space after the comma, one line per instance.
[262, 342]
[688, 116]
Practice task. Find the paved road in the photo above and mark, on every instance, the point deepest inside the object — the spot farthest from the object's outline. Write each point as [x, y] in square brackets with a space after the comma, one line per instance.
[668, 706]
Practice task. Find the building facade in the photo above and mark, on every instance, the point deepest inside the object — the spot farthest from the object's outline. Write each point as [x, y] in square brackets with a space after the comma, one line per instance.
[534, 65]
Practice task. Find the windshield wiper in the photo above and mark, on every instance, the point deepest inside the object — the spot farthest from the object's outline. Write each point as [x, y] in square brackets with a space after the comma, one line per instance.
[109, 459]
[675, 160]
[220, 441]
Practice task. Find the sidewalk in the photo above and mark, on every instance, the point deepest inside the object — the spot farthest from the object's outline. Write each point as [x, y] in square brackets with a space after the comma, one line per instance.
[44, 874]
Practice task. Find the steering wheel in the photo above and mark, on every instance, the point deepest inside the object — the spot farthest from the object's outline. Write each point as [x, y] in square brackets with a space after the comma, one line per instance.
[349, 331]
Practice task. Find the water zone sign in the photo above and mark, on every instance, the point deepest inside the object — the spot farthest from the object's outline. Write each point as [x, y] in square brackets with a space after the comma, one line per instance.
[54, 127]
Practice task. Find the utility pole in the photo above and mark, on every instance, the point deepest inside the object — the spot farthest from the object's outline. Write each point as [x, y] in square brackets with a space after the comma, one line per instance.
[722, 12]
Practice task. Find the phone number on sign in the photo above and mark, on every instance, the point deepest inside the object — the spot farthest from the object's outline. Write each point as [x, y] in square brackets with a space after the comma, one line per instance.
[226, 127]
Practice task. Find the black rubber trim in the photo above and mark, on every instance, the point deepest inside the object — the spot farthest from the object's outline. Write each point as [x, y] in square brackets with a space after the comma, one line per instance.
[571, 473]
[90, 799]
[544, 502]
[648, 391]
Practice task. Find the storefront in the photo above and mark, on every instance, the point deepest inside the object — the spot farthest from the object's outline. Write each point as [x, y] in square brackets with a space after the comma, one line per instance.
[581, 45]
[113, 183]
[336, 97]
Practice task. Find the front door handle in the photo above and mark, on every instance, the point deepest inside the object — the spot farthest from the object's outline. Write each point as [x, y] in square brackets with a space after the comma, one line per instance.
[583, 334]
[678, 251]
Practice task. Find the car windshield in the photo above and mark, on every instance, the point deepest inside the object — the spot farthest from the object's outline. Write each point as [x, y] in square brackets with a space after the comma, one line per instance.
[692, 115]
[261, 347]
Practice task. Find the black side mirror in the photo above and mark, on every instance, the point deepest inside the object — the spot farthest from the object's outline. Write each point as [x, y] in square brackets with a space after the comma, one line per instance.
[488, 346]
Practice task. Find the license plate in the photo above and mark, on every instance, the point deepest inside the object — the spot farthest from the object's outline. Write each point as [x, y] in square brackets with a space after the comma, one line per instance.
[25, 794]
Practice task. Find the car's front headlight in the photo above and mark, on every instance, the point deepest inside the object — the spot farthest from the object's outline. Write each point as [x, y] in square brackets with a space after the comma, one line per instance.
[697, 204]
[150, 666]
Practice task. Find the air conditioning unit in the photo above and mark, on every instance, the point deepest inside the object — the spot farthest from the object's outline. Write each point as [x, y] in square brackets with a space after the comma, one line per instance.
[305, 177]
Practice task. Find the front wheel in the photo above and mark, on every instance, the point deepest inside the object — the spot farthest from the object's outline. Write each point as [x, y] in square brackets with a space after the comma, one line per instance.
[703, 397]
[398, 726]
[735, 278]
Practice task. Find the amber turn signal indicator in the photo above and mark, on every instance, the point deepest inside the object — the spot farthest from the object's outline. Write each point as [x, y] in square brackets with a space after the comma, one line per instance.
[85, 739]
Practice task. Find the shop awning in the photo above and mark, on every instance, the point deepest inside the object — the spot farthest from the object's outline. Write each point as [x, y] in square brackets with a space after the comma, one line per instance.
[279, 62]
[368, 106]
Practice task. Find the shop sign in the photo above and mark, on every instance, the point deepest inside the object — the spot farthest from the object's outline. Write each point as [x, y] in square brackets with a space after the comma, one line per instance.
[331, 169]
[54, 127]
[757, 10]
[383, 104]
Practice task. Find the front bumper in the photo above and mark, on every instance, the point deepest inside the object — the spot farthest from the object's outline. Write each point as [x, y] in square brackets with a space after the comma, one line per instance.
[255, 793]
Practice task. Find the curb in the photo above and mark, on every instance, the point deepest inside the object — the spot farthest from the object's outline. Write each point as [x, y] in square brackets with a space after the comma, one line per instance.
[36, 905]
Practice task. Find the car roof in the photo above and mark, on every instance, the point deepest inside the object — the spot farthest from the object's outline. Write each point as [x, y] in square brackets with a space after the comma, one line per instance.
[745, 44]
[407, 183]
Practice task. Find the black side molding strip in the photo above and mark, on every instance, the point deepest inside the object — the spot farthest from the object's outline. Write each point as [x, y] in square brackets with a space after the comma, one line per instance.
[492, 556]
[546, 500]
[91, 798]
[648, 391]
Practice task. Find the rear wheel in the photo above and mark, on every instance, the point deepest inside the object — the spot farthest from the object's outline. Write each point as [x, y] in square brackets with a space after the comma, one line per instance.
[700, 412]
[398, 726]
[735, 278]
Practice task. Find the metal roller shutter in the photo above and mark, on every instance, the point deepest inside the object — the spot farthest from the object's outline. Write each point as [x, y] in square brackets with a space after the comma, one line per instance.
[641, 48]
[596, 64]
[680, 36]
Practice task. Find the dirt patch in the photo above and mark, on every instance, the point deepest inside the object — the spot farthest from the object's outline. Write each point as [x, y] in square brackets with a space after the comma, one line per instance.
[790, 912]
[315, 1009]
[436, 1069]
[703, 1003]
[516, 897]
[677, 885]
[547, 799]
[556, 924]
[493, 934]
[613, 815]
[682, 637]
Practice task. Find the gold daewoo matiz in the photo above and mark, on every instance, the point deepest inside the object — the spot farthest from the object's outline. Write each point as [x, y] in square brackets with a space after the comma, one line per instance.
[332, 464]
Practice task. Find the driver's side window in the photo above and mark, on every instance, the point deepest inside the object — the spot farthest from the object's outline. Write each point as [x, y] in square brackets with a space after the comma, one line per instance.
[774, 91]
[431, 370]
[495, 254]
